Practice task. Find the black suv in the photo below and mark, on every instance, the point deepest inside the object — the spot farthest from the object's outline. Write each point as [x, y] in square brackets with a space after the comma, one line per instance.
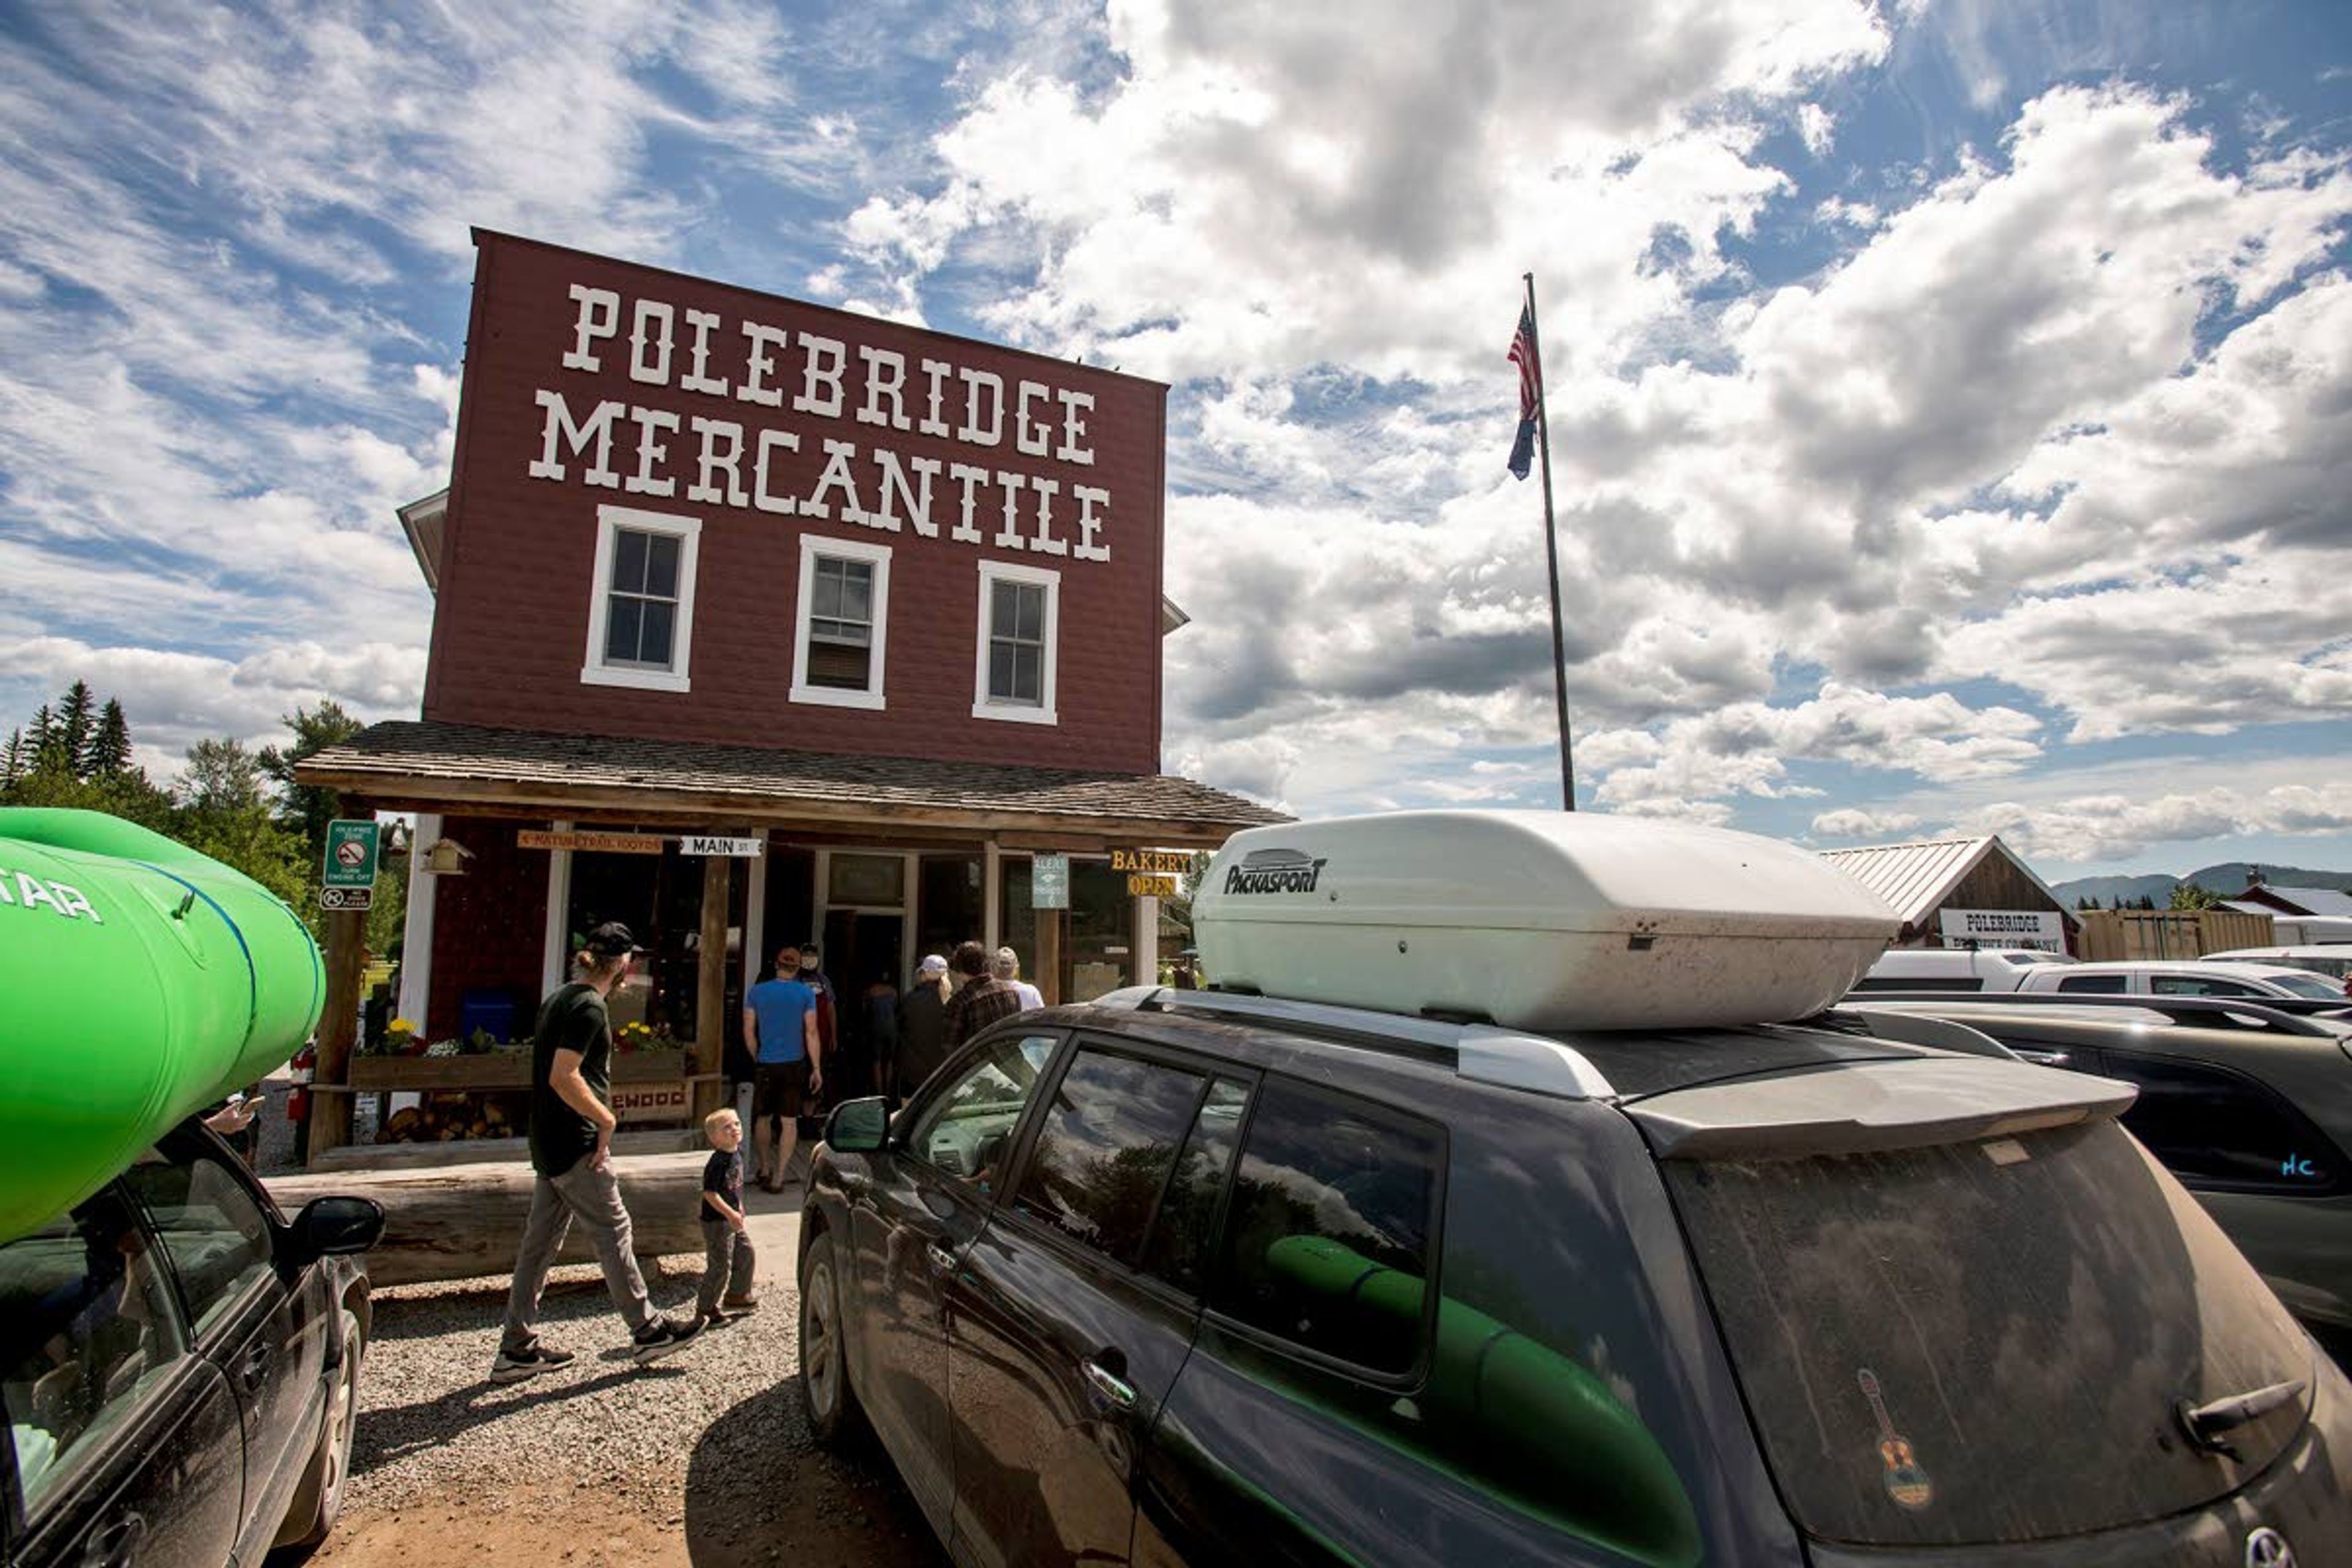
[180, 1365]
[2250, 1105]
[1189, 1276]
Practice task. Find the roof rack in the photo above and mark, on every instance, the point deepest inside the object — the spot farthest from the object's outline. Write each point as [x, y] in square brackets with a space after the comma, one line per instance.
[2272, 1014]
[1480, 1052]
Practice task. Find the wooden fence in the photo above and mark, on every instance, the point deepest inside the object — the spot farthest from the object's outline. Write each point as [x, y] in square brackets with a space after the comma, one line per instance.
[2113, 934]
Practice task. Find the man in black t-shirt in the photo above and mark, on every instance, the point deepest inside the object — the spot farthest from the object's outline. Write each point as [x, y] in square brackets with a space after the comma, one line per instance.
[572, 1124]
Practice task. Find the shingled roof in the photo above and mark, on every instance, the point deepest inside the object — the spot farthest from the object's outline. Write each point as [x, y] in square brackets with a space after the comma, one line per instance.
[416, 764]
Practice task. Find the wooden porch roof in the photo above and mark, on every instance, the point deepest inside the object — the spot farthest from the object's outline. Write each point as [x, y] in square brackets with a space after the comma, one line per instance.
[414, 764]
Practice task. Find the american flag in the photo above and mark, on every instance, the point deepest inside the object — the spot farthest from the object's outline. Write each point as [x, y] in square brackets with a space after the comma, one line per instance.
[1523, 354]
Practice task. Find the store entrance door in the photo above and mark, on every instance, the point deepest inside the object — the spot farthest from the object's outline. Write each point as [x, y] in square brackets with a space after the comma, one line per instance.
[864, 957]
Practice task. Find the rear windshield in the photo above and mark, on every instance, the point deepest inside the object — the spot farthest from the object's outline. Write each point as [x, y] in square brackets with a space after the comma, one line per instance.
[1984, 1342]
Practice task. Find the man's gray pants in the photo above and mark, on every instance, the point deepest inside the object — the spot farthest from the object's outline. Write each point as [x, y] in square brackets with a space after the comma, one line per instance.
[592, 1196]
[728, 1261]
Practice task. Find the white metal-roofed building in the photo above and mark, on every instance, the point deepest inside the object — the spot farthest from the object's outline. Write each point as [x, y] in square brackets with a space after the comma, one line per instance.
[1962, 892]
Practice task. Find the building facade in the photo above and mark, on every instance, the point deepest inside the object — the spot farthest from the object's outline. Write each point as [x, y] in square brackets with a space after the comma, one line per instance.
[755, 622]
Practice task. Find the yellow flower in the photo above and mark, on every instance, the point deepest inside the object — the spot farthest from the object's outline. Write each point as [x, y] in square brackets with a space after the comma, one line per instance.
[401, 1026]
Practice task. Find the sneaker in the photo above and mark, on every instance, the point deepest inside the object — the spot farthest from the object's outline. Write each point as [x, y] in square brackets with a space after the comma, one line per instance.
[665, 1336]
[736, 1306]
[513, 1366]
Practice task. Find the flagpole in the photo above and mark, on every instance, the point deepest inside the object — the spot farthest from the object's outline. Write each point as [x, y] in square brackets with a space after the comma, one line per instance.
[1551, 560]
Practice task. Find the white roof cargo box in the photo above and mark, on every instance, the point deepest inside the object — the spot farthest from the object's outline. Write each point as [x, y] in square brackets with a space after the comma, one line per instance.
[1537, 919]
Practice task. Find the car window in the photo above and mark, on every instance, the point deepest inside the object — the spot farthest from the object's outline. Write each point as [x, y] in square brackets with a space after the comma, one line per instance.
[1105, 1148]
[2213, 1126]
[2102, 984]
[2199, 985]
[1178, 1249]
[1328, 1235]
[967, 1127]
[89, 1329]
[213, 1232]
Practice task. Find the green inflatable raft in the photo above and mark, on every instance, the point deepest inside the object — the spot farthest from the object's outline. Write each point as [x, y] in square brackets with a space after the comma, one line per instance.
[138, 981]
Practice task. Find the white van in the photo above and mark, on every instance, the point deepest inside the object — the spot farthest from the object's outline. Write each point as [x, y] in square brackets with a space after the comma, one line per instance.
[1958, 968]
[2184, 977]
[2334, 961]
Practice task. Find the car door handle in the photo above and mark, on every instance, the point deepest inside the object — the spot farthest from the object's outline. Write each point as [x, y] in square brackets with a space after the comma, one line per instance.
[254, 1365]
[113, 1546]
[941, 1259]
[1109, 1384]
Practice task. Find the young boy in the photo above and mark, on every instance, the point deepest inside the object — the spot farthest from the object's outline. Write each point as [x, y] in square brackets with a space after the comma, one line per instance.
[727, 1249]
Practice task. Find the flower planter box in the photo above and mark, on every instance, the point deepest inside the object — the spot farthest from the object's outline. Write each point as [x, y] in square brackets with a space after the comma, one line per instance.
[497, 1070]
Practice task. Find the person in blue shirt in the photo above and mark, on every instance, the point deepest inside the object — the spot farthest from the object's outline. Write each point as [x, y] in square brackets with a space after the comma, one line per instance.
[780, 1031]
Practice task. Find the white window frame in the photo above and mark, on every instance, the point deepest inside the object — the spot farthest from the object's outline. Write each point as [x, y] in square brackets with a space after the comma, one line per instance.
[878, 556]
[687, 531]
[991, 573]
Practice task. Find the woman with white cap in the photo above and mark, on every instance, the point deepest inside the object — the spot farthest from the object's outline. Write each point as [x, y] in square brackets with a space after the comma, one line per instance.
[922, 1027]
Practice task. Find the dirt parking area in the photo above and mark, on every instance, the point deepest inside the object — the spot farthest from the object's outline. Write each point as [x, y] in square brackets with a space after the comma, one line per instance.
[703, 1459]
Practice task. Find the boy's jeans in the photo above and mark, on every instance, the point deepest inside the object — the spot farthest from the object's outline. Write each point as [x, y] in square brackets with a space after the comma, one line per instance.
[727, 1258]
[594, 1198]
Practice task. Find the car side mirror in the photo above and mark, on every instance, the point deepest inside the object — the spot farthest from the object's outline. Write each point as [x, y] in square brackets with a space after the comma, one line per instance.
[858, 1126]
[330, 1225]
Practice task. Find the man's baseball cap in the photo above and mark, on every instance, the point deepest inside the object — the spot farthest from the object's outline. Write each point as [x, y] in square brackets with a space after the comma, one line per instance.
[932, 964]
[611, 939]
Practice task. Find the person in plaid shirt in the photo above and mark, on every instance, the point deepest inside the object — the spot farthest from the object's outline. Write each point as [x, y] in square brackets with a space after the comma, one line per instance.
[983, 998]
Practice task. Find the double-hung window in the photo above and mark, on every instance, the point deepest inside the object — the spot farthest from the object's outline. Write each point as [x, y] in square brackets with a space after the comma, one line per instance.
[1018, 621]
[845, 612]
[641, 623]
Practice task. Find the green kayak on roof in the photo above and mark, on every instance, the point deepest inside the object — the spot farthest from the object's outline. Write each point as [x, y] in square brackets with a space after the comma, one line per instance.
[138, 981]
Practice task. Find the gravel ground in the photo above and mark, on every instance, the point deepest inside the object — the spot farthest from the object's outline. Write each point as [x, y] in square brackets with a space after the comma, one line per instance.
[619, 1463]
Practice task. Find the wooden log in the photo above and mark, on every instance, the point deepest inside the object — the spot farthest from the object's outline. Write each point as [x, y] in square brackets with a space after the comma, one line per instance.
[461, 1222]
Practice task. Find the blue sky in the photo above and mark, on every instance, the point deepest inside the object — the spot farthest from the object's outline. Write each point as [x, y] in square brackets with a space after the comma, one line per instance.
[1951, 403]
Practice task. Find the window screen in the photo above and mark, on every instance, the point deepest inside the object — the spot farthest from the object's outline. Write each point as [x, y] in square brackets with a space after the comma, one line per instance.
[1328, 1237]
[1104, 1151]
[1016, 643]
[641, 620]
[841, 624]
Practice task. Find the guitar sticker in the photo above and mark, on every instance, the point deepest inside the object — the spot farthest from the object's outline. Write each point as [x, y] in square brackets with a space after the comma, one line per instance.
[1906, 1482]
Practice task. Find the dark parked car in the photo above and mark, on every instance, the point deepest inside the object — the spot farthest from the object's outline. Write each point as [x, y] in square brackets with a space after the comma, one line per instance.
[2249, 1106]
[1189, 1276]
[180, 1365]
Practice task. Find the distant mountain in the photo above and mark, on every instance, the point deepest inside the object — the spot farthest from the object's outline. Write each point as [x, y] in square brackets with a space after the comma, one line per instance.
[2106, 891]
[2228, 880]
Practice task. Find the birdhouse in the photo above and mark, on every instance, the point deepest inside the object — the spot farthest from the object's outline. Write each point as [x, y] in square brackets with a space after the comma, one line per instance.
[447, 857]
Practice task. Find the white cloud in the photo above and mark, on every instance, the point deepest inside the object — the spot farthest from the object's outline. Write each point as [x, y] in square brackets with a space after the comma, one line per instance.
[2095, 828]
[1860, 821]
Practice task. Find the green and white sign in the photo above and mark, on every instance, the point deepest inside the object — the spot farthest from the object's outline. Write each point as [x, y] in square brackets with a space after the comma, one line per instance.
[1049, 882]
[350, 860]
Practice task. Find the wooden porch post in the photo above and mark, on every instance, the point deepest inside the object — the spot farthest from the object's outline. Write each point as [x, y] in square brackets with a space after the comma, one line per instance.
[330, 1113]
[1049, 954]
[711, 989]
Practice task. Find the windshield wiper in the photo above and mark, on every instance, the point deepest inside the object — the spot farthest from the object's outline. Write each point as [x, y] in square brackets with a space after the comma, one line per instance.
[2206, 1423]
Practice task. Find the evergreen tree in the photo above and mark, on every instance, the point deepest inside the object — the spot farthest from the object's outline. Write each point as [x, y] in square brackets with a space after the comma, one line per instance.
[110, 747]
[301, 807]
[42, 742]
[18, 759]
[76, 723]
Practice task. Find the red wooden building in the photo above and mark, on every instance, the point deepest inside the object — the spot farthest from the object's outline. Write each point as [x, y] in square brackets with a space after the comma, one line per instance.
[878, 608]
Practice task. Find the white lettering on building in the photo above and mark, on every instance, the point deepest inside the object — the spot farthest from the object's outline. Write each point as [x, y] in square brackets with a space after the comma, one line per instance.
[737, 462]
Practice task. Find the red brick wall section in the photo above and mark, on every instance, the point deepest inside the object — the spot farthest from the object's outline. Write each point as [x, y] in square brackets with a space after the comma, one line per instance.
[488, 925]
[511, 628]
